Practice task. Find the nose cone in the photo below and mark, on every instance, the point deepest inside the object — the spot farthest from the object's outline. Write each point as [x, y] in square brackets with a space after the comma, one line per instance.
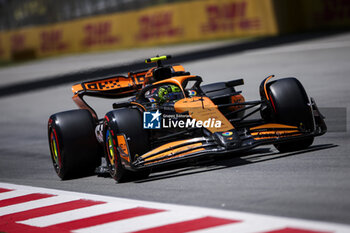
[228, 139]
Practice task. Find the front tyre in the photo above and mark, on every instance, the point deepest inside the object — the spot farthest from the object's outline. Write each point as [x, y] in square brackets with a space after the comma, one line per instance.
[115, 167]
[290, 106]
[124, 139]
[73, 145]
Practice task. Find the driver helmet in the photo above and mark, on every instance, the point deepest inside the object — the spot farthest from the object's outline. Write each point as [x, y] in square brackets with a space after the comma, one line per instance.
[164, 93]
[169, 93]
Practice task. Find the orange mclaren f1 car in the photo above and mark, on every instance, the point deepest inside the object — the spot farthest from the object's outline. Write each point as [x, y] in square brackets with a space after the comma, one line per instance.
[170, 117]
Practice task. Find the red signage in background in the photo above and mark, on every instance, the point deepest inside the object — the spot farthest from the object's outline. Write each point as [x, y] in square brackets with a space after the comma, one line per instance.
[99, 34]
[17, 42]
[156, 26]
[334, 10]
[228, 17]
[51, 41]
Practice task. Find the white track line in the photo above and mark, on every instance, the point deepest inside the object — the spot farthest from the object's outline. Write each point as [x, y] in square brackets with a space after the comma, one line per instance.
[72, 215]
[14, 193]
[244, 227]
[35, 204]
[142, 222]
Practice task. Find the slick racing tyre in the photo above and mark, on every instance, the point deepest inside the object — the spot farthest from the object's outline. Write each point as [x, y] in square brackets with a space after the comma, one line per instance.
[74, 149]
[289, 103]
[124, 139]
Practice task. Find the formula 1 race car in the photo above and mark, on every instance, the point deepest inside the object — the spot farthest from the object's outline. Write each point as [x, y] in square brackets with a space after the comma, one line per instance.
[172, 118]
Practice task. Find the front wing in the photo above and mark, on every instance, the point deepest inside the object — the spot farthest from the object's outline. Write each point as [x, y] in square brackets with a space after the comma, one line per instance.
[210, 146]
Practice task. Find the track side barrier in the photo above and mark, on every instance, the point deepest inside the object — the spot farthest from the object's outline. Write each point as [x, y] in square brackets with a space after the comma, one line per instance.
[174, 23]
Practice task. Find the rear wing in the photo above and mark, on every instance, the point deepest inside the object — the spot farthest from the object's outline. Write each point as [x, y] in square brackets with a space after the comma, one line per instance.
[109, 87]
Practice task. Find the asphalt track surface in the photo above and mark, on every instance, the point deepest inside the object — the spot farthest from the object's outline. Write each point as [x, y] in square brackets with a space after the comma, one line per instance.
[310, 184]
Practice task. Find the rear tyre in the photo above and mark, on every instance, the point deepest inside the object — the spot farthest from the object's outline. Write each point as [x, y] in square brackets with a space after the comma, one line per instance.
[73, 145]
[289, 105]
[127, 122]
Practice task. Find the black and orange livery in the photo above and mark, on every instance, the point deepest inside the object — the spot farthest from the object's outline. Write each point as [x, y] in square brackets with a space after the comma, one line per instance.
[287, 118]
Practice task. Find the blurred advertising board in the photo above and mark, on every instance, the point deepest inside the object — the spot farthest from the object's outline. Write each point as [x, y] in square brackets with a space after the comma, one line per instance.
[173, 23]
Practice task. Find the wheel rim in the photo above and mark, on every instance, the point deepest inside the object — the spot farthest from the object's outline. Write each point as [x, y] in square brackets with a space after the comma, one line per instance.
[55, 151]
[110, 148]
